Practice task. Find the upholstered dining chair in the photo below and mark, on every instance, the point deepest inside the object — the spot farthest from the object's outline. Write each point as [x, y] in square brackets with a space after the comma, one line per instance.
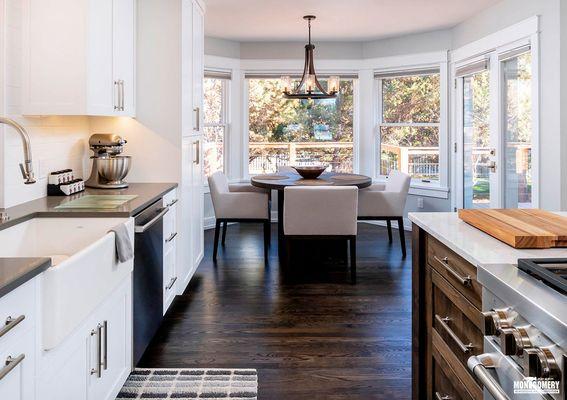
[238, 203]
[321, 212]
[386, 203]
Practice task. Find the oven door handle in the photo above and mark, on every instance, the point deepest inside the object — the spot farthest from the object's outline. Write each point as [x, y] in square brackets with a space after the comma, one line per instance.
[479, 366]
[149, 224]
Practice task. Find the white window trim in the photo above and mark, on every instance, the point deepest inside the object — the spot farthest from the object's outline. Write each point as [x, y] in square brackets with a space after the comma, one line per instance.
[443, 184]
[246, 131]
[225, 124]
[523, 33]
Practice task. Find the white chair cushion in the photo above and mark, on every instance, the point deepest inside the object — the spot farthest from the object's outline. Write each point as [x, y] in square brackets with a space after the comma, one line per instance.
[322, 210]
[247, 204]
[387, 200]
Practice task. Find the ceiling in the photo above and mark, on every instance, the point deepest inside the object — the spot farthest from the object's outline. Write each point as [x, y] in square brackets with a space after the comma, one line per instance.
[337, 20]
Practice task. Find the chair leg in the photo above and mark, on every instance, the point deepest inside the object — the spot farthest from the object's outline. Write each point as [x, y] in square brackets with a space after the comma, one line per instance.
[353, 260]
[389, 224]
[266, 239]
[216, 242]
[224, 226]
[402, 236]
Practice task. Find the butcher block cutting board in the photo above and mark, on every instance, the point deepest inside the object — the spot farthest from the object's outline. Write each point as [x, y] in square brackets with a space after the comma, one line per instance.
[520, 228]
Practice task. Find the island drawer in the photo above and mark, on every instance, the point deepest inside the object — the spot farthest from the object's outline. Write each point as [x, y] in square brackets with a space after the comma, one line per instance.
[454, 320]
[455, 269]
[446, 380]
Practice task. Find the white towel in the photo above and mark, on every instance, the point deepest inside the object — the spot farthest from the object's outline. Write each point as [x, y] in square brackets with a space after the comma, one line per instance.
[124, 248]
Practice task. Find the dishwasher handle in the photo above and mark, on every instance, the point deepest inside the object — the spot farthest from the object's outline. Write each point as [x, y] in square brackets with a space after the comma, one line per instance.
[150, 223]
[479, 366]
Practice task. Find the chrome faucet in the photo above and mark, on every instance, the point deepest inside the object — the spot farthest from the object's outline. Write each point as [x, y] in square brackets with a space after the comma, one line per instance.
[26, 167]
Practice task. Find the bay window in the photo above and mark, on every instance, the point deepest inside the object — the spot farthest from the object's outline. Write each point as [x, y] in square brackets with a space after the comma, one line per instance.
[409, 119]
[215, 88]
[298, 132]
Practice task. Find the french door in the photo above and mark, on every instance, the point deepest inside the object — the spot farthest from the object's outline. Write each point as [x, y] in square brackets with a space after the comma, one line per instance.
[494, 125]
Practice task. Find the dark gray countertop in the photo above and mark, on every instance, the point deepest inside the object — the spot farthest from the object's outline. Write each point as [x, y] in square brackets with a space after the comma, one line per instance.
[146, 194]
[17, 271]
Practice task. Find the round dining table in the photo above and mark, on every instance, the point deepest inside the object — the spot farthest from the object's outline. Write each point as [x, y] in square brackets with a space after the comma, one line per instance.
[280, 180]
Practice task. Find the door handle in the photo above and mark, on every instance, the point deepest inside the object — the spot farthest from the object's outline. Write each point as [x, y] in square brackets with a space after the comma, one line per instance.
[104, 362]
[98, 333]
[197, 126]
[478, 366]
[492, 166]
[121, 95]
[143, 228]
[171, 283]
[197, 152]
[117, 91]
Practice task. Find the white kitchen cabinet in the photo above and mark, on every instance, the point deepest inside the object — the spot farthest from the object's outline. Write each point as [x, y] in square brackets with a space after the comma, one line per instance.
[80, 57]
[170, 275]
[197, 204]
[95, 360]
[17, 343]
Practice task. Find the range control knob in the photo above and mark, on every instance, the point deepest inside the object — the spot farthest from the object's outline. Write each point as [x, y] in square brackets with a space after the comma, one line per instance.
[513, 341]
[540, 363]
[494, 321]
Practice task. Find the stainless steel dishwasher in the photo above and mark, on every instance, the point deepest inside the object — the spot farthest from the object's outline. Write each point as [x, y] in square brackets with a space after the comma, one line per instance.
[148, 276]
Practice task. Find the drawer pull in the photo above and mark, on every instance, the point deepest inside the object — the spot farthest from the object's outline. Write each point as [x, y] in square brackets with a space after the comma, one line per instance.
[465, 280]
[11, 324]
[10, 364]
[98, 333]
[171, 283]
[439, 396]
[171, 237]
[172, 202]
[465, 348]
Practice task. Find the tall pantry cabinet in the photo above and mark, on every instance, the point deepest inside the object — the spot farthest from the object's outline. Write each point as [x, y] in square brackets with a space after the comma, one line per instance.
[169, 103]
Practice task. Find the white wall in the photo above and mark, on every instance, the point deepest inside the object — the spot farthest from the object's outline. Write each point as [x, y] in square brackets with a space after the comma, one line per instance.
[57, 142]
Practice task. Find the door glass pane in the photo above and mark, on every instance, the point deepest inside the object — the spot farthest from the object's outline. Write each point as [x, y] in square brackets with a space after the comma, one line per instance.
[518, 131]
[476, 140]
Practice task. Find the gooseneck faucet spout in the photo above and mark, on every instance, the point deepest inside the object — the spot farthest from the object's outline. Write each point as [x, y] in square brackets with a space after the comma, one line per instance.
[26, 167]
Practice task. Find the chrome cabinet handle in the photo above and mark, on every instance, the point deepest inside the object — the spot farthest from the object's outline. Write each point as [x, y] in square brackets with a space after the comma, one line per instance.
[439, 396]
[121, 95]
[479, 365]
[197, 152]
[98, 333]
[465, 348]
[171, 237]
[465, 280]
[143, 228]
[11, 324]
[172, 202]
[104, 362]
[10, 364]
[171, 283]
[117, 100]
[197, 126]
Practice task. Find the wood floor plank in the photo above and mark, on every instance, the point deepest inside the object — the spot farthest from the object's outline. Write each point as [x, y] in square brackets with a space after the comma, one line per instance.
[309, 332]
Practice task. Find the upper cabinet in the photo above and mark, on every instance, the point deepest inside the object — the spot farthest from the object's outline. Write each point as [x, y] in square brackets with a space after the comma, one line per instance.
[79, 58]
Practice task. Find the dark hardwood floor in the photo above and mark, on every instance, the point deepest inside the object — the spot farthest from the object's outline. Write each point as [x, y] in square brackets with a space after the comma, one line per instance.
[307, 330]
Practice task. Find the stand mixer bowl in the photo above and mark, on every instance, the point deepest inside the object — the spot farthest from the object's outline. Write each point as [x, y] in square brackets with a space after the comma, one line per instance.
[114, 169]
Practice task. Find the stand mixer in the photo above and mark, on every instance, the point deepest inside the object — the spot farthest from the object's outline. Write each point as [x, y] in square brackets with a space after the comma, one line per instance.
[109, 167]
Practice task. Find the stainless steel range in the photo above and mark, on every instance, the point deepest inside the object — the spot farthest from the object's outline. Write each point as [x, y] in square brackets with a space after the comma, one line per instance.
[525, 343]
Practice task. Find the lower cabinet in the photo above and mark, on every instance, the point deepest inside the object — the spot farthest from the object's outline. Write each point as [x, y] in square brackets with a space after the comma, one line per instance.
[94, 362]
[17, 368]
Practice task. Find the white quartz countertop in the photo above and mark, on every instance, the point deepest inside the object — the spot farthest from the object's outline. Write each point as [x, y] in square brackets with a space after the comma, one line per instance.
[474, 245]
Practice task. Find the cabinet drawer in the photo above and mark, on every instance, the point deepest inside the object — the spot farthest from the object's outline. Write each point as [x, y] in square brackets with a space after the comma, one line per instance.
[455, 320]
[17, 312]
[170, 198]
[455, 269]
[17, 361]
[446, 384]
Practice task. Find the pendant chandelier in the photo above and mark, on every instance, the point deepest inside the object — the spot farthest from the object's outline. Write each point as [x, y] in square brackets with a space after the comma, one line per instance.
[309, 86]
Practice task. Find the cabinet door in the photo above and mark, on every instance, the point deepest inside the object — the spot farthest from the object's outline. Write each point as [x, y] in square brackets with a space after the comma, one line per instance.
[17, 357]
[184, 227]
[197, 228]
[114, 330]
[123, 56]
[198, 67]
[169, 277]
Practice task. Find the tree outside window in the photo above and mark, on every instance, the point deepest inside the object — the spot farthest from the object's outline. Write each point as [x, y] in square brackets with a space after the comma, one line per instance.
[215, 117]
[409, 125]
[299, 132]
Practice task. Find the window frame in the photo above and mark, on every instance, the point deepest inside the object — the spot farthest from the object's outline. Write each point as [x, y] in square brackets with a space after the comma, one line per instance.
[224, 123]
[267, 74]
[442, 184]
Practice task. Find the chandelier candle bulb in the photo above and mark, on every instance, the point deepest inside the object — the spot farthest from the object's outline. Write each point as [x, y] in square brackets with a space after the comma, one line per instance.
[333, 86]
[286, 84]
